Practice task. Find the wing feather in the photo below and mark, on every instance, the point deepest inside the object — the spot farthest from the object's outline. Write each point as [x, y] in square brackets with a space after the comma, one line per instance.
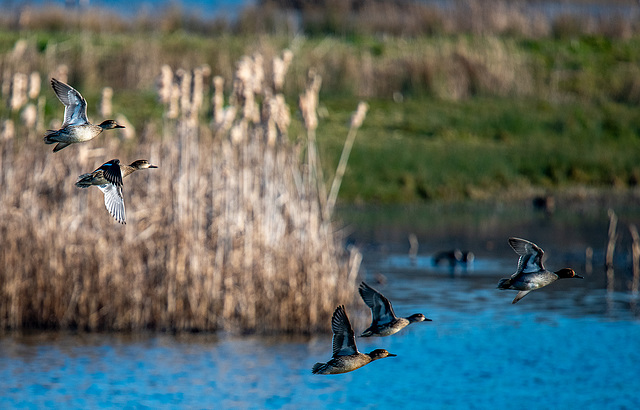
[113, 201]
[75, 106]
[381, 309]
[530, 256]
[344, 340]
[112, 172]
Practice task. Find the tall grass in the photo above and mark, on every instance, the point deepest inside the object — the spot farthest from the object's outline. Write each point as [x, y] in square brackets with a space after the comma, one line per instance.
[229, 233]
[407, 18]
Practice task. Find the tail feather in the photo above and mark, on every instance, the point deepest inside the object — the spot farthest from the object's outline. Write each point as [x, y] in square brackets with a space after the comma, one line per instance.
[318, 368]
[50, 137]
[84, 180]
[504, 284]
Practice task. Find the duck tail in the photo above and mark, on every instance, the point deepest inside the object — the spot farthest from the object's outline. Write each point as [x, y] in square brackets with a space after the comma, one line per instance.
[84, 180]
[318, 368]
[504, 284]
[50, 137]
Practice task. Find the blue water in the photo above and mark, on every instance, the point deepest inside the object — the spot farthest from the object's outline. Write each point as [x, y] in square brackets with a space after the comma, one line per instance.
[568, 346]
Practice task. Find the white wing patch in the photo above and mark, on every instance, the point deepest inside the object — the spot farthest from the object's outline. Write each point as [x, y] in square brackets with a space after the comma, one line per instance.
[113, 201]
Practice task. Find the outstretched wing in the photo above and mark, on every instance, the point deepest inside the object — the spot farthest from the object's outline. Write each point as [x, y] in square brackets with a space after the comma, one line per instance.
[530, 256]
[381, 310]
[344, 340]
[113, 201]
[75, 106]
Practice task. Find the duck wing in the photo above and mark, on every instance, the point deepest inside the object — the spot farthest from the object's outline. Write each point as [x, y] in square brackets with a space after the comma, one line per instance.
[520, 295]
[530, 256]
[381, 310]
[112, 172]
[344, 340]
[75, 106]
[113, 201]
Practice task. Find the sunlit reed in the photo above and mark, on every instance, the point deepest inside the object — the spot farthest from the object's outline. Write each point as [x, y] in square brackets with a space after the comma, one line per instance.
[229, 233]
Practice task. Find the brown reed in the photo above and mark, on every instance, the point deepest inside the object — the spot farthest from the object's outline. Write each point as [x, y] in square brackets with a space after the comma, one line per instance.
[453, 68]
[363, 17]
[356, 121]
[229, 233]
[486, 17]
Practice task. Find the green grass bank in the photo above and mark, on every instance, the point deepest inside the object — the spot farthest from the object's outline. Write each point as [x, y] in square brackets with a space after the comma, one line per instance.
[451, 117]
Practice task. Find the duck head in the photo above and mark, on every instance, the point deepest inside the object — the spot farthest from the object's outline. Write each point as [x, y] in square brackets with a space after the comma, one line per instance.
[142, 164]
[380, 353]
[109, 125]
[418, 317]
[568, 273]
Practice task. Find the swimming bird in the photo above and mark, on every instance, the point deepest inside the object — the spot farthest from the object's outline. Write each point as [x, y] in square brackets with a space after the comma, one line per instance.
[531, 273]
[76, 127]
[454, 257]
[108, 178]
[384, 321]
[346, 356]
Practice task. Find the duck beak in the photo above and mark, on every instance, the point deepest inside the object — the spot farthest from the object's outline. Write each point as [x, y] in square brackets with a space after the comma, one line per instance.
[152, 166]
[392, 355]
[578, 276]
[119, 126]
[426, 319]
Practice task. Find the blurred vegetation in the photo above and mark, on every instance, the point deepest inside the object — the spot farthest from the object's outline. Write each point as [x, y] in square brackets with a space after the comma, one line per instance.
[468, 101]
[232, 233]
[475, 101]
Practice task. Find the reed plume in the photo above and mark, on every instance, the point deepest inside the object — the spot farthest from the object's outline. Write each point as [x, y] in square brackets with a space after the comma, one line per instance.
[229, 234]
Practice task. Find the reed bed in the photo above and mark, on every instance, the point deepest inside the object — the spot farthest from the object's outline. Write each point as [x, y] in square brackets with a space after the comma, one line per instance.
[228, 234]
[452, 67]
[409, 18]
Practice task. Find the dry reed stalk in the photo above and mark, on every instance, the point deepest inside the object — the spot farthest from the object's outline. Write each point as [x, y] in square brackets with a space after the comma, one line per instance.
[8, 130]
[19, 91]
[280, 67]
[217, 101]
[165, 84]
[29, 116]
[356, 122]
[611, 246]
[308, 104]
[106, 104]
[227, 234]
[35, 82]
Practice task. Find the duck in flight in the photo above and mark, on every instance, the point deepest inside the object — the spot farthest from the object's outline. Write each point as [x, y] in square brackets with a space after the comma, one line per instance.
[76, 127]
[531, 273]
[384, 321]
[346, 356]
[108, 178]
